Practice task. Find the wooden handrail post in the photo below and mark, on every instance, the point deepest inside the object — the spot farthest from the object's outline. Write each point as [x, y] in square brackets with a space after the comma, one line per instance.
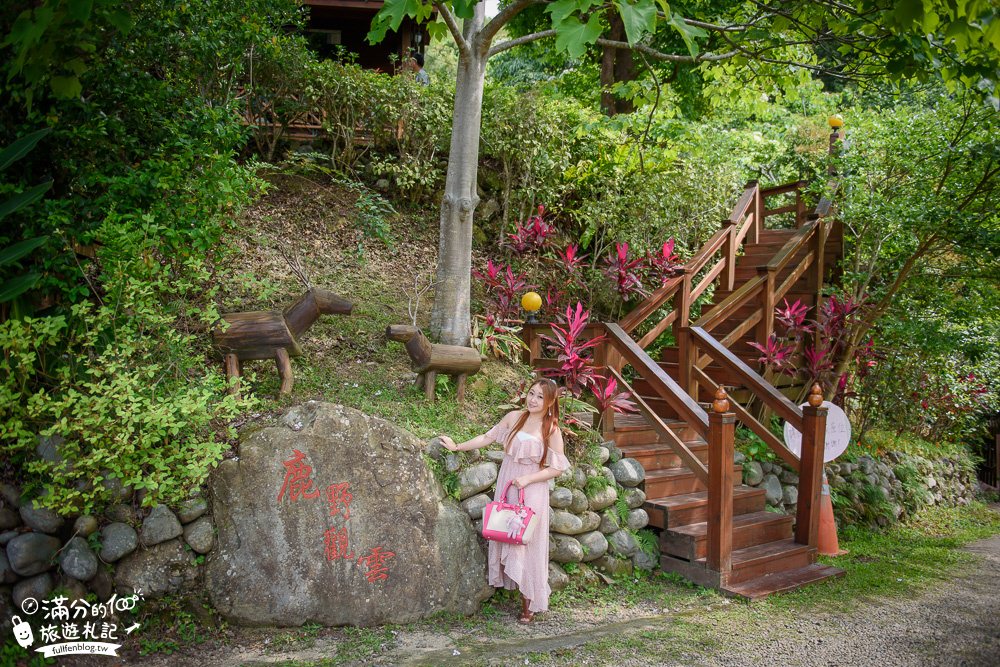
[721, 429]
[728, 279]
[800, 204]
[758, 214]
[685, 355]
[766, 326]
[811, 468]
[532, 342]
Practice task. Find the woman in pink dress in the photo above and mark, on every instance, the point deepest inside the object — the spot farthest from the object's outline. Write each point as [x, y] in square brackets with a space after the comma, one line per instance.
[533, 454]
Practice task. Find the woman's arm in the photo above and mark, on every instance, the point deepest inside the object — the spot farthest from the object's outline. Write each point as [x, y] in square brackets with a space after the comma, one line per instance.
[480, 440]
[548, 472]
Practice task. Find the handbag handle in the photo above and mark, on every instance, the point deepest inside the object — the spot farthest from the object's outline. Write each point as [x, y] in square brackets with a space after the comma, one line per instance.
[520, 493]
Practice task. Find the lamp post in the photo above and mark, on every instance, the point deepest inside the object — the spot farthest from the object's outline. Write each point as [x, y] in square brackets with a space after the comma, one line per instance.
[836, 122]
[530, 303]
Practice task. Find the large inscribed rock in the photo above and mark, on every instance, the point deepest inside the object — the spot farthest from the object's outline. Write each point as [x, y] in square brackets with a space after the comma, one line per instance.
[334, 518]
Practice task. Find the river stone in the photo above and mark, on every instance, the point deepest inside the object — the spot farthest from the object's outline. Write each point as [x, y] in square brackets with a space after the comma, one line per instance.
[580, 502]
[564, 522]
[102, 584]
[200, 535]
[77, 560]
[191, 509]
[121, 513]
[789, 494]
[637, 519]
[609, 522]
[753, 474]
[161, 525]
[31, 553]
[7, 536]
[614, 451]
[495, 455]
[7, 574]
[867, 465]
[272, 565]
[634, 498]
[85, 525]
[476, 479]
[591, 521]
[622, 543]
[560, 498]
[645, 561]
[11, 495]
[163, 569]
[41, 520]
[789, 477]
[564, 549]
[475, 505]
[739, 457]
[48, 448]
[603, 498]
[558, 579]
[603, 454]
[36, 587]
[579, 477]
[614, 566]
[7, 611]
[628, 472]
[117, 540]
[452, 462]
[9, 519]
[930, 483]
[772, 489]
[837, 481]
[594, 545]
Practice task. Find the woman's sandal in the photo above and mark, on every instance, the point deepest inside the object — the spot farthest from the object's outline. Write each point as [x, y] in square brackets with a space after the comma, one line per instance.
[526, 616]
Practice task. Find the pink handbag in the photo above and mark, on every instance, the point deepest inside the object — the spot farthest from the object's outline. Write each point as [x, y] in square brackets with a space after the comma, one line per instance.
[507, 522]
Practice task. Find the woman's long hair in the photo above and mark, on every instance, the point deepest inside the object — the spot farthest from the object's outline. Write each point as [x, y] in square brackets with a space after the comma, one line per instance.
[550, 415]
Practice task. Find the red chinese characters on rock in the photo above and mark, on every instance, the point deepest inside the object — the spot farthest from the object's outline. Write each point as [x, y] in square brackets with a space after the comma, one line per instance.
[336, 540]
[336, 544]
[297, 478]
[375, 562]
[337, 495]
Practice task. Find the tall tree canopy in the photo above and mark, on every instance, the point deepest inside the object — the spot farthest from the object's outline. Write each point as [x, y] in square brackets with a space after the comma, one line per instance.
[787, 40]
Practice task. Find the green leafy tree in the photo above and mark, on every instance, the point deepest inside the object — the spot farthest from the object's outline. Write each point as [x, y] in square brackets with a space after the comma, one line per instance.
[859, 39]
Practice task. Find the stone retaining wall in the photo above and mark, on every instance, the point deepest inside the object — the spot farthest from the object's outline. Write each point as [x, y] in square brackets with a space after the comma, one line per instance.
[904, 482]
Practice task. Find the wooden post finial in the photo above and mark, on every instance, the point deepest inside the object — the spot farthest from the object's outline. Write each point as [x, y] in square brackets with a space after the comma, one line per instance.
[721, 403]
[816, 395]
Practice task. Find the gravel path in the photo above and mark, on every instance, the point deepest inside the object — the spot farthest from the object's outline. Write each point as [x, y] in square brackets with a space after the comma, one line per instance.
[951, 624]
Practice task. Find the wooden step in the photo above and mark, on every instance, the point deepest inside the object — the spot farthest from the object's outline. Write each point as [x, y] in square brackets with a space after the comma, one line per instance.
[763, 559]
[675, 481]
[688, 508]
[779, 582]
[661, 456]
[755, 528]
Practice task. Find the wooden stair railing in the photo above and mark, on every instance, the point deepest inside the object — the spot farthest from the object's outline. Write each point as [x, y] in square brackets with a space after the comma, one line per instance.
[714, 529]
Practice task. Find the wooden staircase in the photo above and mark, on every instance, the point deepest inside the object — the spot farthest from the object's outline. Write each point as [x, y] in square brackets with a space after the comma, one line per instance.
[713, 529]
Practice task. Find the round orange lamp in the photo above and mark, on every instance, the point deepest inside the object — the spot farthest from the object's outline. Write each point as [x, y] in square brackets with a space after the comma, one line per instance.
[531, 302]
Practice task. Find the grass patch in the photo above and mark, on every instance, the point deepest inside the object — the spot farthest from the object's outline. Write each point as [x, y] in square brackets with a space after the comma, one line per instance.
[878, 442]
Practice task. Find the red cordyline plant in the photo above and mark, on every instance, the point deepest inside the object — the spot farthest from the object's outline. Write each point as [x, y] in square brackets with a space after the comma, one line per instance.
[531, 235]
[570, 259]
[607, 397]
[664, 264]
[574, 356]
[793, 318]
[776, 354]
[624, 272]
[503, 289]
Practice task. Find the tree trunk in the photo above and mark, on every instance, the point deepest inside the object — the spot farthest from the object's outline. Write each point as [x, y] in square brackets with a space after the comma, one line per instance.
[616, 65]
[450, 318]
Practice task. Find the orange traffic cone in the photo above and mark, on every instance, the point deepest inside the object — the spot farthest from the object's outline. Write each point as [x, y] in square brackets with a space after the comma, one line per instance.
[826, 542]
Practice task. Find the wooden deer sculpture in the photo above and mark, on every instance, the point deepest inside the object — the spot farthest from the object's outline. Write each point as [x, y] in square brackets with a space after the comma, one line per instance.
[274, 334]
[428, 359]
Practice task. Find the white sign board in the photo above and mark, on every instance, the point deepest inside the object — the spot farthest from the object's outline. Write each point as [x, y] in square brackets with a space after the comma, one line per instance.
[838, 433]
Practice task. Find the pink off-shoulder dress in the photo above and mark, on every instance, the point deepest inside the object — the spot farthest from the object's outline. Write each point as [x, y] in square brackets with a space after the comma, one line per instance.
[524, 567]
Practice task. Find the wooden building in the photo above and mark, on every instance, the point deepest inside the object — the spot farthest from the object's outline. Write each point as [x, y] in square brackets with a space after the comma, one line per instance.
[345, 24]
